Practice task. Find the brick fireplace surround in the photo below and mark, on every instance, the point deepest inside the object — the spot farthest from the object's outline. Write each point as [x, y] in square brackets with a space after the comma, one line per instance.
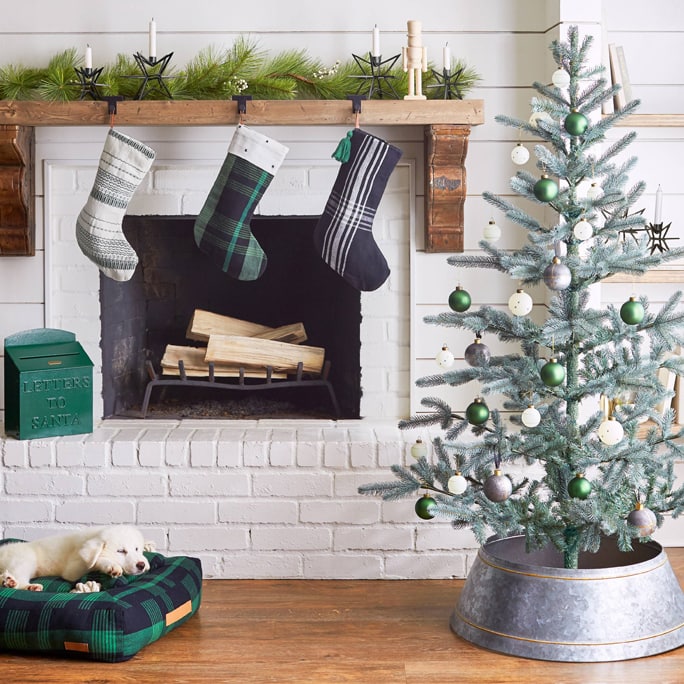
[251, 498]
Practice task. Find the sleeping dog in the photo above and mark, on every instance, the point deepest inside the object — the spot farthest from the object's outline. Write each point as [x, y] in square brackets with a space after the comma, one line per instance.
[114, 550]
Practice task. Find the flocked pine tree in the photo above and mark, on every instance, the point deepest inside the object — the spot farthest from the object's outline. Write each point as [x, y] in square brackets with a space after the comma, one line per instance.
[599, 475]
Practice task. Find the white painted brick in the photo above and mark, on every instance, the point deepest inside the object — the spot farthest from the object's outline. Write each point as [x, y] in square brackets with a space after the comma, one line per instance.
[255, 447]
[63, 180]
[60, 484]
[15, 511]
[442, 537]
[184, 179]
[425, 566]
[322, 178]
[342, 566]
[151, 447]
[70, 451]
[230, 448]
[309, 454]
[282, 448]
[362, 448]
[261, 566]
[87, 511]
[335, 448]
[209, 538]
[177, 447]
[291, 538]
[129, 484]
[178, 511]
[293, 484]
[209, 484]
[97, 447]
[400, 511]
[125, 448]
[155, 205]
[15, 453]
[340, 512]
[41, 452]
[255, 512]
[347, 483]
[203, 448]
[382, 538]
[290, 179]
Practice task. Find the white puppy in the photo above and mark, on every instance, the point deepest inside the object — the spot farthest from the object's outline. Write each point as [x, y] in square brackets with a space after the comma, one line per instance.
[114, 550]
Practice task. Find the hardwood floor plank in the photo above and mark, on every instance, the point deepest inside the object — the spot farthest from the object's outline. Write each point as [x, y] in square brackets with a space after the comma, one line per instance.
[323, 632]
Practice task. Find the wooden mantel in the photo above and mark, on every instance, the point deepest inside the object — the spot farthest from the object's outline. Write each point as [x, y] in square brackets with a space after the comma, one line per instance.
[446, 126]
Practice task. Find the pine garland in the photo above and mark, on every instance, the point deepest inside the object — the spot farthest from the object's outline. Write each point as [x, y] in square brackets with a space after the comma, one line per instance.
[213, 74]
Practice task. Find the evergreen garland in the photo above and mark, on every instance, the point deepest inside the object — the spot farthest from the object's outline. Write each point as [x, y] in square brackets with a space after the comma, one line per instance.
[599, 352]
[213, 74]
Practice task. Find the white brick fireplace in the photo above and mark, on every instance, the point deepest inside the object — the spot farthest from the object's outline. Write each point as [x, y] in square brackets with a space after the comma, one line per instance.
[252, 498]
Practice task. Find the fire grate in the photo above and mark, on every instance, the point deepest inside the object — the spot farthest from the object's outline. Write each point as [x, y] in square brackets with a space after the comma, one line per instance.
[268, 382]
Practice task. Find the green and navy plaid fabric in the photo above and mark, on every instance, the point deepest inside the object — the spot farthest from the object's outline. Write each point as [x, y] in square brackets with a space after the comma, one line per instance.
[123, 164]
[343, 235]
[111, 625]
[222, 228]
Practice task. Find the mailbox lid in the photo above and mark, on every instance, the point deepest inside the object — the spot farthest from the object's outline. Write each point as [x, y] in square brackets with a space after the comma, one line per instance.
[55, 356]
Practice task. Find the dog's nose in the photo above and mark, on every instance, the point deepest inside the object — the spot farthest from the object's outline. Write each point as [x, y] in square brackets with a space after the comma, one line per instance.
[140, 565]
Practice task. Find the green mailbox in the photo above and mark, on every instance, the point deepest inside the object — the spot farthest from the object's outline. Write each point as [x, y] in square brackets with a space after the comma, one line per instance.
[48, 385]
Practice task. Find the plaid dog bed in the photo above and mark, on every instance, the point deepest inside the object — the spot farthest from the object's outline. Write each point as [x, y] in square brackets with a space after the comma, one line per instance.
[111, 625]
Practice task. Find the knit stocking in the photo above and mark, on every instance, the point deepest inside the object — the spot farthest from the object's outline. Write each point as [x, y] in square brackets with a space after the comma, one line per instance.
[343, 235]
[123, 164]
[222, 229]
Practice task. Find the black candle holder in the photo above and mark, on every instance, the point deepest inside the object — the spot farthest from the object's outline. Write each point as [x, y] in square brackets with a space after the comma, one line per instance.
[658, 236]
[152, 74]
[87, 82]
[378, 76]
[448, 82]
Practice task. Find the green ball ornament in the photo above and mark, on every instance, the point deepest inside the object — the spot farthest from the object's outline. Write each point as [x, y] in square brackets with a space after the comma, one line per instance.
[576, 123]
[477, 412]
[425, 507]
[459, 300]
[552, 373]
[632, 312]
[545, 189]
[579, 487]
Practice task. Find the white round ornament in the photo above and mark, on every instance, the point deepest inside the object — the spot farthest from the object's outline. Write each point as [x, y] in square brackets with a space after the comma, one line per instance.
[457, 484]
[594, 191]
[611, 432]
[491, 232]
[536, 117]
[444, 358]
[520, 303]
[560, 78]
[520, 154]
[530, 417]
[419, 449]
[583, 230]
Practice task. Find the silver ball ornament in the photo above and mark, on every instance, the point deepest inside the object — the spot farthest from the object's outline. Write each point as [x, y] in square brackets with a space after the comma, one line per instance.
[457, 484]
[497, 487]
[557, 275]
[644, 519]
[560, 78]
[520, 154]
[520, 303]
[477, 353]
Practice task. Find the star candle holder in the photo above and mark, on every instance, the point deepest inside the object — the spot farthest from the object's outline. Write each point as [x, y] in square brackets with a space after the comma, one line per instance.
[152, 74]
[448, 82]
[658, 236]
[87, 81]
[375, 72]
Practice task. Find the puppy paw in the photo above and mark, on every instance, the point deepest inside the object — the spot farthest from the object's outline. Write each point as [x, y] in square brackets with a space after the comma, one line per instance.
[34, 587]
[8, 581]
[115, 571]
[89, 587]
[150, 546]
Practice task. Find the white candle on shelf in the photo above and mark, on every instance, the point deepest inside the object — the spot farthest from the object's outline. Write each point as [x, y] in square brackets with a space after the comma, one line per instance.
[153, 39]
[375, 51]
[446, 53]
[658, 218]
[88, 57]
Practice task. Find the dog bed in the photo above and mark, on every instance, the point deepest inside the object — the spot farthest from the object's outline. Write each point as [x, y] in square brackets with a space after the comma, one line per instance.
[111, 625]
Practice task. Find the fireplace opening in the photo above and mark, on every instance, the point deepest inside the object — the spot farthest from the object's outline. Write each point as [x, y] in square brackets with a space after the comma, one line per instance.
[140, 317]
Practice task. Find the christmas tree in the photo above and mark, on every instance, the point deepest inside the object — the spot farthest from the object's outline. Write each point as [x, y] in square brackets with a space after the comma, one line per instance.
[587, 474]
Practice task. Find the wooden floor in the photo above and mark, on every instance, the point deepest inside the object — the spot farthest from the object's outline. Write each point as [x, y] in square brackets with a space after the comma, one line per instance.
[378, 632]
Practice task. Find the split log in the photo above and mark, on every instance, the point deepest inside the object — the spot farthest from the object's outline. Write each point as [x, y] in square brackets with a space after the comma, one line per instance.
[203, 324]
[254, 352]
[196, 366]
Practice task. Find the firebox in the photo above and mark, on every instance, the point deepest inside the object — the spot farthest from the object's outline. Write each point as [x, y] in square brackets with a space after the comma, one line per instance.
[141, 317]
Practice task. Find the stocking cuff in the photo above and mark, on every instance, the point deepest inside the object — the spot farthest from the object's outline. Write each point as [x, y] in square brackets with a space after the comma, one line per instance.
[264, 152]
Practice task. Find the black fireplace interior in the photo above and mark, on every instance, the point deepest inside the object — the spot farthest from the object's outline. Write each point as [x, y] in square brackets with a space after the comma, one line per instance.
[173, 278]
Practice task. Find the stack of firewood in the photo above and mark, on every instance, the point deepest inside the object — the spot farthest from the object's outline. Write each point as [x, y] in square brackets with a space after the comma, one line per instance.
[232, 343]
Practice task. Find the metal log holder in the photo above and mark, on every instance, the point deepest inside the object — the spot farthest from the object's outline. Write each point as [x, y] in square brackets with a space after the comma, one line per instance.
[268, 382]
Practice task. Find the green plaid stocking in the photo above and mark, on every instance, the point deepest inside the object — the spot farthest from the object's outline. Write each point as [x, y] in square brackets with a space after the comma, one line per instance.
[123, 164]
[222, 228]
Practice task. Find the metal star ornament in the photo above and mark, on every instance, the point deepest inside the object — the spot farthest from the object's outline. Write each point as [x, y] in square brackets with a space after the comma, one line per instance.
[379, 76]
[658, 236]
